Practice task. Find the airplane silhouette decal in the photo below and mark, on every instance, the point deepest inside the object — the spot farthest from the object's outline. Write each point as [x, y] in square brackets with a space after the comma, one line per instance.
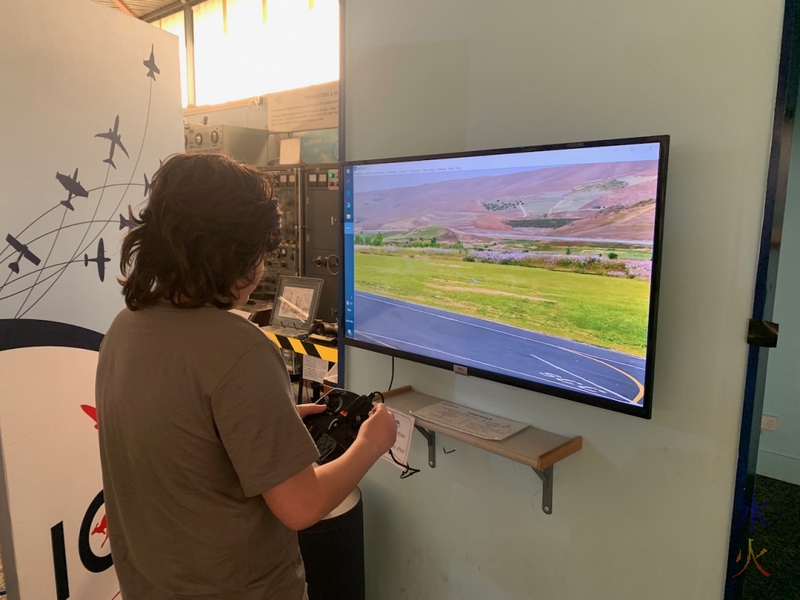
[151, 65]
[115, 139]
[72, 186]
[123, 223]
[101, 259]
[23, 252]
[20, 252]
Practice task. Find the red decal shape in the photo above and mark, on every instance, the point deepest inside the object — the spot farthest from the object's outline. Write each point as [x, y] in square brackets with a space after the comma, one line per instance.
[92, 412]
[102, 529]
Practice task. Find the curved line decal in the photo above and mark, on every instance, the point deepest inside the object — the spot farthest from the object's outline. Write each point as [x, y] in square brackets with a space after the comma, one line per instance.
[29, 333]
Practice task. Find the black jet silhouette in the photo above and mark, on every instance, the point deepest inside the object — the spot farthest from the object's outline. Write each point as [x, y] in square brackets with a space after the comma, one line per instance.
[101, 259]
[23, 253]
[151, 65]
[123, 223]
[115, 141]
[72, 186]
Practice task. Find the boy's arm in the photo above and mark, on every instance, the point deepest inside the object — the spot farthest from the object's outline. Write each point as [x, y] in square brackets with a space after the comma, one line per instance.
[305, 498]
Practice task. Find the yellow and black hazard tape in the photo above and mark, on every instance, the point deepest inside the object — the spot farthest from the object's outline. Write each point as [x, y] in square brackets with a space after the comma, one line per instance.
[301, 347]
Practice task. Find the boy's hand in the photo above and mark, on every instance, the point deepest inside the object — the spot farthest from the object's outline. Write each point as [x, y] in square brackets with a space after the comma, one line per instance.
[310, 409]
[380, 430]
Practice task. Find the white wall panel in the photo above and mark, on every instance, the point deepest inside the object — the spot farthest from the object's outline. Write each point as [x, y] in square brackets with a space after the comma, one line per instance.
[643, 511]
[69, 70]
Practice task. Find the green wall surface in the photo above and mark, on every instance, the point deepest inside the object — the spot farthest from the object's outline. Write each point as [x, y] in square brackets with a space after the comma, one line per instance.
[643, 511]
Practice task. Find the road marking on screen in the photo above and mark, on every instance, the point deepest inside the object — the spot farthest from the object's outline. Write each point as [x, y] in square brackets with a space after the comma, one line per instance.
[460, 358]
[434, 313]
[638, 383]
[619, 362]
[575, 384]
[377, 341]
[589, 381]
[430, 312]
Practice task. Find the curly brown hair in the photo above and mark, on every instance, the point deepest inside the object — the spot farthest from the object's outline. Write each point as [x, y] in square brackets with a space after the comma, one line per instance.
[207, 223]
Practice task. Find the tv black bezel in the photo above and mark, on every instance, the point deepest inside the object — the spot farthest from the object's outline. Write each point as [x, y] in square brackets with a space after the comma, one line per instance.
[645, 410]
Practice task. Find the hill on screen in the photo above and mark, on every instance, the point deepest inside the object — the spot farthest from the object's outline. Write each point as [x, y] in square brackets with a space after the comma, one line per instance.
[613, 201]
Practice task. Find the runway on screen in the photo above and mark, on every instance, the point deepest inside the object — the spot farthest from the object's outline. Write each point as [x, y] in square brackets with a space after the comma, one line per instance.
[510, 351]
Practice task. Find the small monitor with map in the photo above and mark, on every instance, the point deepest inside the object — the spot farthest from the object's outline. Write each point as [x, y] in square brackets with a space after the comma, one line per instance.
[536, 267]
[296, 302]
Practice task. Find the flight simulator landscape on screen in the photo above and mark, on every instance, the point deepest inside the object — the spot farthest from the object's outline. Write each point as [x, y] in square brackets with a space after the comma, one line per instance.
[532, 265]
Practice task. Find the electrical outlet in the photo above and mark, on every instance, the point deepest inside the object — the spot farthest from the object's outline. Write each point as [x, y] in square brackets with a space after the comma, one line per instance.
[769, 423]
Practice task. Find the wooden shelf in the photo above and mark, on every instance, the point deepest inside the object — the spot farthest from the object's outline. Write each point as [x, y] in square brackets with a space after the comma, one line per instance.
[533, 447]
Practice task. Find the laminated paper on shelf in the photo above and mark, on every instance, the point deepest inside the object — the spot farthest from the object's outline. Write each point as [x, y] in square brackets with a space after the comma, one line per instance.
[532, 446]
[469, 420]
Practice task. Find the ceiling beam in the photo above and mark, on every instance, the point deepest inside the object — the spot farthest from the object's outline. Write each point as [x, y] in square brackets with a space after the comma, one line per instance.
[169, 9]
[123, 7]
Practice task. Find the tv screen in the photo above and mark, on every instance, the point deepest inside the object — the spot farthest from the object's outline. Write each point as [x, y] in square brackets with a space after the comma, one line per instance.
[537, 267]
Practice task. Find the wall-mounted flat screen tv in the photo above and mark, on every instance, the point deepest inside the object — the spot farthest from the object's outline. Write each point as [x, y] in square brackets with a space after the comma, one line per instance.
[537, 267]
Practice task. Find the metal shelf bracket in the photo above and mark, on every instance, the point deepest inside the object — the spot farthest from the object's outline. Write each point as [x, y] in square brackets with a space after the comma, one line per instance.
[547, 488]
[430, 437]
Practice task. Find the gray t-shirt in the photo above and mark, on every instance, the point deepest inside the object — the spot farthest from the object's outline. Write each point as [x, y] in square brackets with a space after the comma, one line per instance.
[196, 420]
